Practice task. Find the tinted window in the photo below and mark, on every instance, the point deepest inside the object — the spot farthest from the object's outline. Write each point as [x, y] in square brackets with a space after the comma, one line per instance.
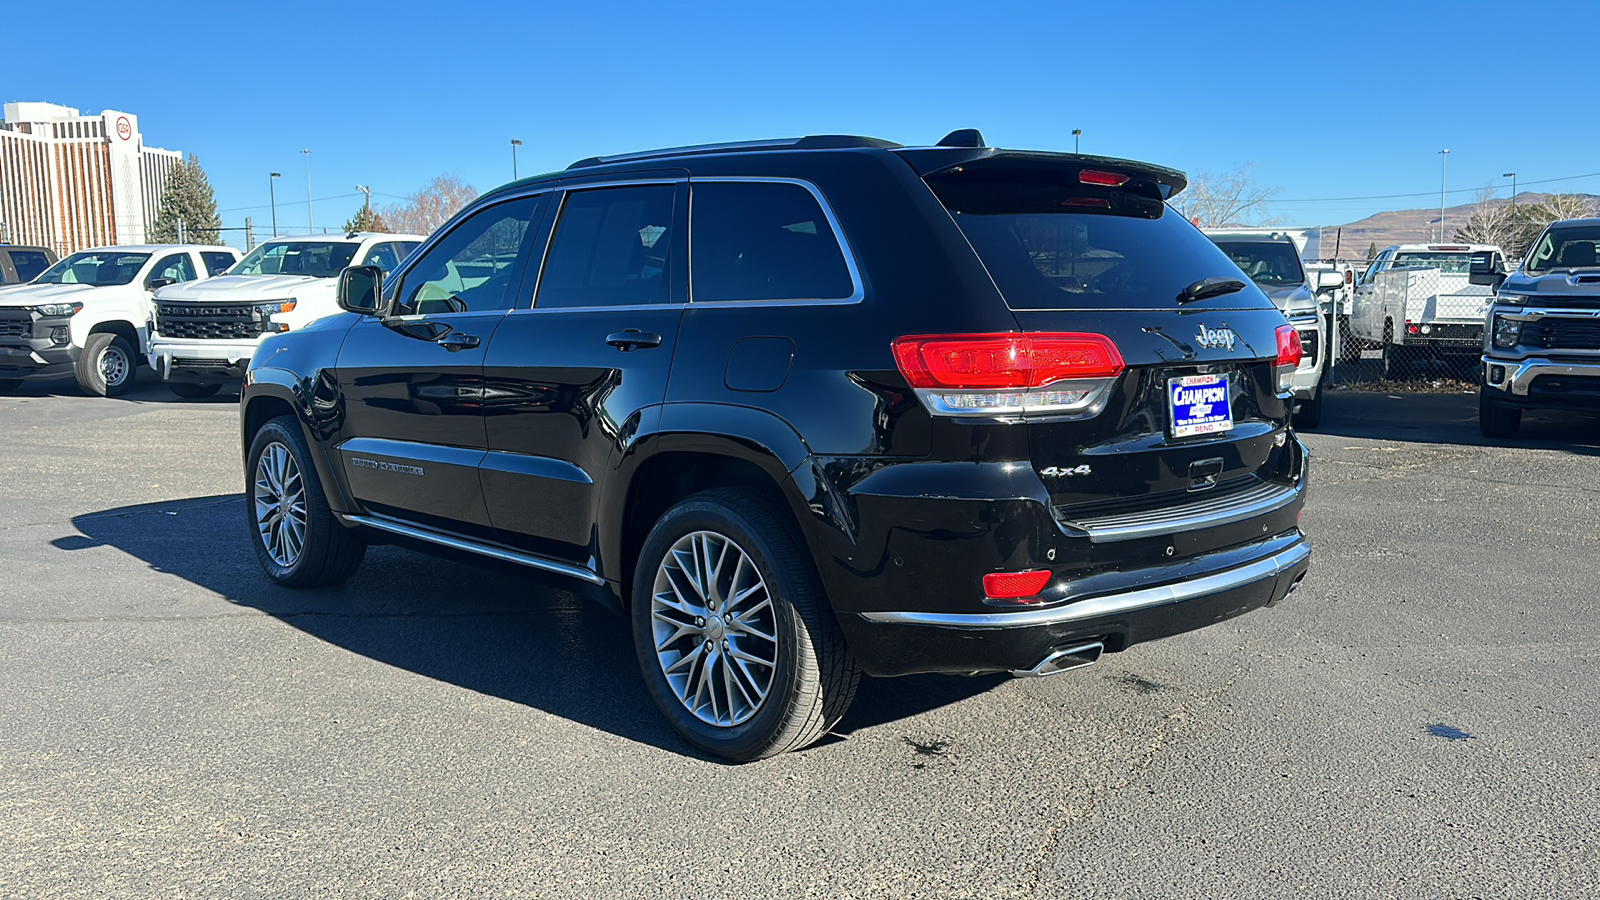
[387, 256]
[96, 268]
[175, 268]
[1266, 262]
[319, 259]
[1566, 247]
[217, 262]
[1449, 263]
[29, 263]
[612, 247]
[763, 241]
[472, 268]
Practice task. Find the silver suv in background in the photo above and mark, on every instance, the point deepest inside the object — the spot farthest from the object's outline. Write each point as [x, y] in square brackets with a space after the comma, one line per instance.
[1272, 261]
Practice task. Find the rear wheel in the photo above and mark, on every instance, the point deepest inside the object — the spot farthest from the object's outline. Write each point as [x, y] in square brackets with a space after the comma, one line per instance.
[1395, 368]
[1308, 413]
[737, 644]
[297, 539]
[1497, 420]
[193, 391]
[107, 365]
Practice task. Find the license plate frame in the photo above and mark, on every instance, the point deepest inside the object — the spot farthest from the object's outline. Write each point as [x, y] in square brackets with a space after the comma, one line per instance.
[1192, 405]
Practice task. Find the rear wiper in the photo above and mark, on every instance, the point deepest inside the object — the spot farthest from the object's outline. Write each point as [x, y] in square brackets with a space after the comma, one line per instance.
[1206, 288]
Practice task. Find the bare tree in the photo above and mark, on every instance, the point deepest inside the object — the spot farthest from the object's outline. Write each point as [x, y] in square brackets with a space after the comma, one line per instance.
[430, 207]
[1231, 198]
[1562, 206]
[1499, 223]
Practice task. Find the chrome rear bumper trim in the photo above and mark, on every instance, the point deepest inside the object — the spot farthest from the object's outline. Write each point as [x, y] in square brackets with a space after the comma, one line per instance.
[1110, 604]
[1188, 517]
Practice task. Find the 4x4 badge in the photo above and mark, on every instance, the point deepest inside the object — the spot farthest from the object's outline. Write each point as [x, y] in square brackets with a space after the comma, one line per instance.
[1074, 470]
[1216, 337]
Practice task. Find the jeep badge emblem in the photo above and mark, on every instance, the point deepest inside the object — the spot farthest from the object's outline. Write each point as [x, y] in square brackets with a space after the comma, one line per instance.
[1216, 337]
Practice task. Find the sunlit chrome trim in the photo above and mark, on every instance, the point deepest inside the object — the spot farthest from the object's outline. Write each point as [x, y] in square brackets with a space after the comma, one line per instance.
[1110, 604]
[1207, 513]
[455, 542]
[1521, 373]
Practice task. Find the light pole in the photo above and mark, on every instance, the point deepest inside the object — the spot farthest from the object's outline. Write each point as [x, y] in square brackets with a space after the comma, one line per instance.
[1513, 177]
[1076, 133]
[1444, 160]
[311, 223]
[366, 208]
[272, 192]
[514, 145]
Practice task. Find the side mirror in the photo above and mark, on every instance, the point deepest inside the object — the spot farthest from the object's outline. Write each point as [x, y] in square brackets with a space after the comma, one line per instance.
[1326, 280]
[1487, 268]
[361, 290]
[156, 284]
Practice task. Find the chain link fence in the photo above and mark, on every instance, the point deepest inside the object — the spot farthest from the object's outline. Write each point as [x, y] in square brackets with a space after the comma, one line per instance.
[1406, 329]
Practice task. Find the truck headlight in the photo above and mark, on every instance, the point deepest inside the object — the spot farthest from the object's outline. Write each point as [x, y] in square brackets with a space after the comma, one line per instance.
[57, 310]
[281, 306]
[1506, 332]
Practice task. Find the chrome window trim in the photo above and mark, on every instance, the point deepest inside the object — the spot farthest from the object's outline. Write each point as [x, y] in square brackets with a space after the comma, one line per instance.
[550, 239]
[460, 543]
[1110, 604]
[858, 290]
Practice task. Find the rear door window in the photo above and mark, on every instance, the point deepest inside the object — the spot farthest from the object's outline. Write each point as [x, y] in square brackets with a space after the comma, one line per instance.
[29, 263]
[611, 247]
[1052, 243]
[763, 241]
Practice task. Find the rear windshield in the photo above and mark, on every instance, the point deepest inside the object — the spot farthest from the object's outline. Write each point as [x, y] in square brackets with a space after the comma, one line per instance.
[1119, 248]
[1266, 262]
[1566, 247]
[1448, 263]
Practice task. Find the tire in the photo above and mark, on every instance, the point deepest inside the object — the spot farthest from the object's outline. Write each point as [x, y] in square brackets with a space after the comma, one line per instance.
[1497, 420]
[1394, 369]
[7, 385]
[194, 391]
[784, 629]
[1308, 413]
[107, 365]
[311, 549]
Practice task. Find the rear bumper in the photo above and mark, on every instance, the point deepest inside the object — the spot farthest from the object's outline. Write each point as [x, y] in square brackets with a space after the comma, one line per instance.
[1234, 583]
[204, 362]
[1543, 382]
[1453, 337]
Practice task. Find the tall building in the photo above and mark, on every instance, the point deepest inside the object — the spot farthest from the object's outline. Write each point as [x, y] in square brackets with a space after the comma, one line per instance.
[70, 181]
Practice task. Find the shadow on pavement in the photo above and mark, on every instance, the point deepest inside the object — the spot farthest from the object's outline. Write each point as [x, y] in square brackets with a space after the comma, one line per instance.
[147, 388]
[1450, 419]
[502, 634]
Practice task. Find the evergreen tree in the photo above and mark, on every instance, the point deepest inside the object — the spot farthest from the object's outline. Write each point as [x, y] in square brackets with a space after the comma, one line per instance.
[367, 220]
[1372, 251]
[188, 199]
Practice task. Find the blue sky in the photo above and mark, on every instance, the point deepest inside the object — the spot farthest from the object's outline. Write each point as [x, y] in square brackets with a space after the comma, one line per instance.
[1348, 100]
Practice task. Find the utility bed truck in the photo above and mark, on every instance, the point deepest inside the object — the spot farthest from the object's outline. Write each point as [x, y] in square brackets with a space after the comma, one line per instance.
[1415, 302]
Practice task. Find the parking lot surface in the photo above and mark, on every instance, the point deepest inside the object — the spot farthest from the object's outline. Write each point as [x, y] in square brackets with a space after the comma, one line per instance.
[1418, 720]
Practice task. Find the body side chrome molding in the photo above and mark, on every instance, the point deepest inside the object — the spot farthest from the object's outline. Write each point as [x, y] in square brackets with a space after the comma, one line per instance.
[456, 542]
[1110, 604]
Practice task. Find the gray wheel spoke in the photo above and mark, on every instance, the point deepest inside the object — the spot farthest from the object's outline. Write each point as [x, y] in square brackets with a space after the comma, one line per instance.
[280, 504]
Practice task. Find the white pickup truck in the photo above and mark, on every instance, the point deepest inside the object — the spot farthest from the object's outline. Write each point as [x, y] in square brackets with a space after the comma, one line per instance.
[205, 334]
[1418, 296]
[89, 314]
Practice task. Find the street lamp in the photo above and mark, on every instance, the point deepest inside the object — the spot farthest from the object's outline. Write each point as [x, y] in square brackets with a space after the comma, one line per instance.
[310, 221]
[366, 208]
[273, 194]
[1076, 133]
[514, 145]
[1513, 177]
[1444, 160]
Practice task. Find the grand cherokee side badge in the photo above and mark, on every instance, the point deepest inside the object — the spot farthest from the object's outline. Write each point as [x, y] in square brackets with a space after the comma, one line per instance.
[1216, 337]
[1057, 470]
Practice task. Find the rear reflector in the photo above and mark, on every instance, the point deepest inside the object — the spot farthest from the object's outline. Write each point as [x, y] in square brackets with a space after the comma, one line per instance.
[1109, 179]
[1010, 373]
[1011, 585]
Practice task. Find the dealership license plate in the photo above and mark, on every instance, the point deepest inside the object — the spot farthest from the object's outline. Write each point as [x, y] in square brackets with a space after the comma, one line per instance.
[1199, 405]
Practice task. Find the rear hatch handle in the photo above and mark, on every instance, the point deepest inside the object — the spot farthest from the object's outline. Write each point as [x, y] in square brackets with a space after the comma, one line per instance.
[1206, 288]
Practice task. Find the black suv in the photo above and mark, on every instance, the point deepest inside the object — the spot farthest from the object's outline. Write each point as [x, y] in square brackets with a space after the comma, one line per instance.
[803, 409]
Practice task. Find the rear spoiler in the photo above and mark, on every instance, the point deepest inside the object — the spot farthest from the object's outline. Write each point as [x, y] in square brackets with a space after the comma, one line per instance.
[932, 160]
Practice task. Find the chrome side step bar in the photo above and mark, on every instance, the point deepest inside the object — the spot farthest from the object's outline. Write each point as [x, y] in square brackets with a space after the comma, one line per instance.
[1064, 661]
[455, 542]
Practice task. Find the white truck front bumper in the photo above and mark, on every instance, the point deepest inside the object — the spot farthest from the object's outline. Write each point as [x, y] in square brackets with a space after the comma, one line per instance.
[201, 361]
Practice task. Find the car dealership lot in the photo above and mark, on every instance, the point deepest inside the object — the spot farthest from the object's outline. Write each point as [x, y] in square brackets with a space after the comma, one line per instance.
[1417, 720]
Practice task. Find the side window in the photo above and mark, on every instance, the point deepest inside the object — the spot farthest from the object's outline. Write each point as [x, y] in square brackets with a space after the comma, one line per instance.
[763, 241]
[29, 263]
[472, 268]
[387, 255]
[175, 268]
[611, 247]
[217, 262]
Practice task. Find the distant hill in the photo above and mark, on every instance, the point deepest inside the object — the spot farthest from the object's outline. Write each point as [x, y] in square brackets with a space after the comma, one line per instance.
[1411, 226]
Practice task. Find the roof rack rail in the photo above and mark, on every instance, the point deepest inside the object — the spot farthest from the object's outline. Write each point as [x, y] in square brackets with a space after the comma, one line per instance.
[809, 142]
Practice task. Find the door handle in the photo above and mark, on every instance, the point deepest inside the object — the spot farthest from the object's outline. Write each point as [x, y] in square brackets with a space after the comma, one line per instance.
[455, 341]
[633, 338]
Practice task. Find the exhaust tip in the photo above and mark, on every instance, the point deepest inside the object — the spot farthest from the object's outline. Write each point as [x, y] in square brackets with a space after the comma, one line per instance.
[1064, 660]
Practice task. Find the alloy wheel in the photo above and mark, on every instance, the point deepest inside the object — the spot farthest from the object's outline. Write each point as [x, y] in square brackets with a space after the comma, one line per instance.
[280, 499]
[715, 628]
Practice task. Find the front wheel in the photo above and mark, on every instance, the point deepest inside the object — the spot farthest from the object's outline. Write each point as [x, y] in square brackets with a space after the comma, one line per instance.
[737, 644]
[297, 538]
[107, 365]
[1497, 420]
[190, 391]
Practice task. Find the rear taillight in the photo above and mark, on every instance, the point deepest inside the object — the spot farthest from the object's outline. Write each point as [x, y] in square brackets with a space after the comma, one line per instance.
[1289, 354]
[1010, 374]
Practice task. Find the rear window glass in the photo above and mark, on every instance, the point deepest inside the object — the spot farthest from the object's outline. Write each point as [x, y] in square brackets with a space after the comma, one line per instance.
[1118, 248]
[763, 241]
[1448, 263]
[29, 263]
[1266, 262]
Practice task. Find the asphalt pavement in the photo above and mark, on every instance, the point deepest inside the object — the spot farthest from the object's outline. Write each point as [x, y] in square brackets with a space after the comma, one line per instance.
[1418, 720]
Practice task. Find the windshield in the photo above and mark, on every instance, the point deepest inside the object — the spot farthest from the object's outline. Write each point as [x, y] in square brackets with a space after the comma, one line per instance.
[96, 267]
[319, 259]
[1448, 263]
[1266, 262]
[1566, 247]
